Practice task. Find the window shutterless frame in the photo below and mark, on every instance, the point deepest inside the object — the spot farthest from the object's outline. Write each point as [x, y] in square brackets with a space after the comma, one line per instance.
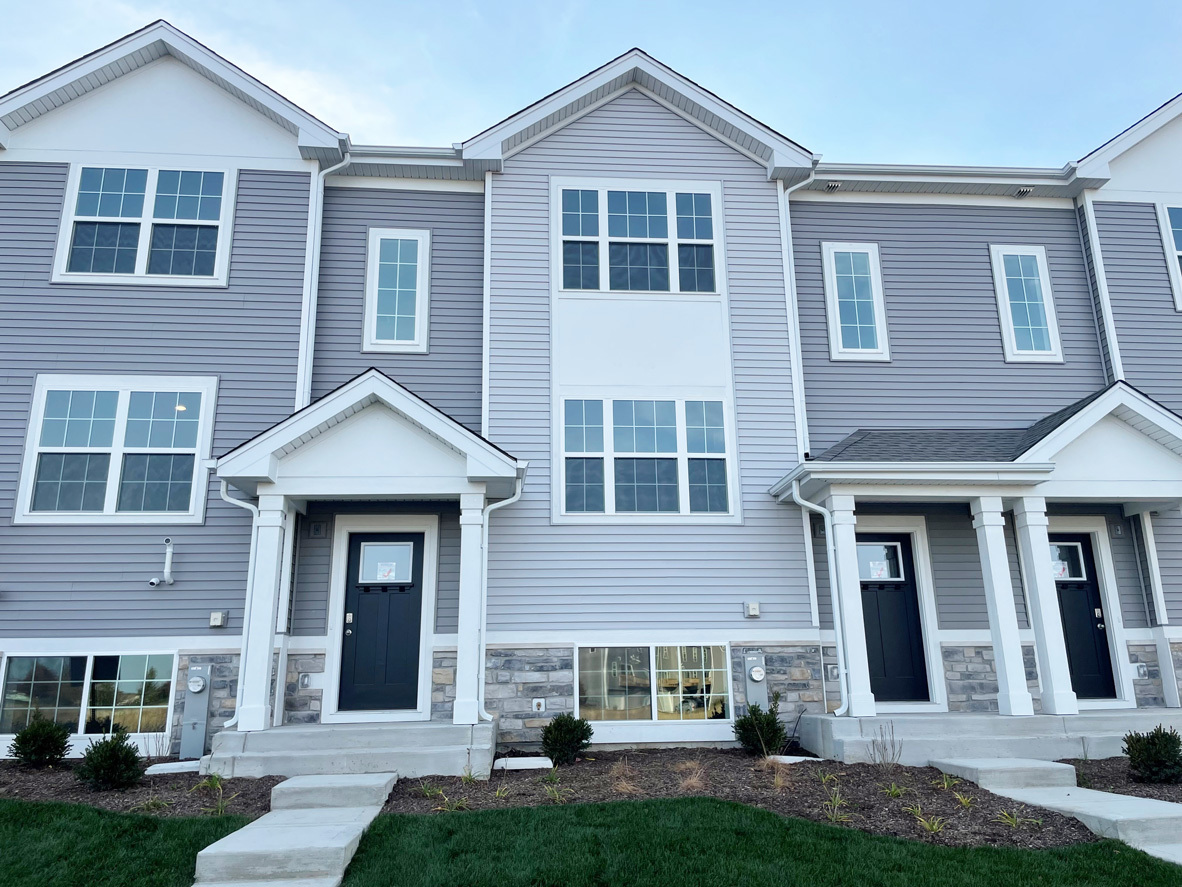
[839, 347]
[1169, 219]
[146, 220]
[1013, 353]
[422, 291]
[206, 386]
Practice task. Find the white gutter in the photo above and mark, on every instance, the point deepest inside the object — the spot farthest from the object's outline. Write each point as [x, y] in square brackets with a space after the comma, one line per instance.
[224, 491]
[834, 598]
[311, 285]
[483, 627]
[796, 351]
[486, 332]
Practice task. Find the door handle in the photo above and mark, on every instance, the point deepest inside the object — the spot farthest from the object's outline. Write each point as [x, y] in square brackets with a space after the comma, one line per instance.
[1100, 625]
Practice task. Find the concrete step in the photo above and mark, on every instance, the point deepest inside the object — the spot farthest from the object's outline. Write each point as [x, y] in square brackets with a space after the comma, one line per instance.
[335, 737]
[285, 844]
[341, 790]
[1168, 852]
[278, 882]
[995, 773]
[1138, 821]
[409, 763]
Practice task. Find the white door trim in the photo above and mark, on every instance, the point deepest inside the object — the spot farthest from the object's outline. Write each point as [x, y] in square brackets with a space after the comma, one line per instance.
[1096, 527]
[344, 525]
[916, 527]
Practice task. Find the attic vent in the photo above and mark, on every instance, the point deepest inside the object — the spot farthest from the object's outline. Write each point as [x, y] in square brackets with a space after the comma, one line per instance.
[832, 186]
[1024, 191]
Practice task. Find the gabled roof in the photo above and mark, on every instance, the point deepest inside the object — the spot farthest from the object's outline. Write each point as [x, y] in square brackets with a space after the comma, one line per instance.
[784, 158]
[316, 139]
[1096, 162]
[256, 460]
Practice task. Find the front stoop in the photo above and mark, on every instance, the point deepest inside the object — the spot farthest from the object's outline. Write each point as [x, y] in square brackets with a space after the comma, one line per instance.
[1147, 824]
[411, 749]
[308, 838]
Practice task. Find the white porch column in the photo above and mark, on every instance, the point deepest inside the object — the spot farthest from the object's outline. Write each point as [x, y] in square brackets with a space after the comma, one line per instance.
[467, 703]
[1030, 519]
[1013, 697]
[847, 584]
[256, 670]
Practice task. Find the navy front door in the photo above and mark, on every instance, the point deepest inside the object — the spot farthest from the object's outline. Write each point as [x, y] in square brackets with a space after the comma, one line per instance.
[890, 608]
[382, 624]
[1084, 628]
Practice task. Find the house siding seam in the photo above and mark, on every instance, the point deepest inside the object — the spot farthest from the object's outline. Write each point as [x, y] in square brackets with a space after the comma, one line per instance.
[448, 375]
[550, 577]
[246, 334]
[947, 366]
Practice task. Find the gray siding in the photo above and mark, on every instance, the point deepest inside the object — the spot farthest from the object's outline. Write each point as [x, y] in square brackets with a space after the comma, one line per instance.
[93, 580]
[547, 577]
[314, 562]
[448, 376]
[1148, 326]
[947, 365]
[1167, 533]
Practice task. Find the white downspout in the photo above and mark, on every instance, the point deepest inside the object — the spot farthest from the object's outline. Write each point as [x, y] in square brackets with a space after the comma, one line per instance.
[312, 285]
[225, 494]
[834, 597]
[795, 348]
[483, 629]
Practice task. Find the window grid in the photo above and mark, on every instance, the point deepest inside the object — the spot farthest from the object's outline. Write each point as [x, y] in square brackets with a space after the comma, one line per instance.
[654, 683]
[397, 290]
[855, 301]
[1174, 216]
[51, 685]
[652, 463]
[640, 248]
[131, 692]
[1025, 304]
[114, 228]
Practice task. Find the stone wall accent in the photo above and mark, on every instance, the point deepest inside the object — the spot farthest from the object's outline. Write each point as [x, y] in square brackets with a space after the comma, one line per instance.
[443, 685]
[302, 705]
[794, 671]
[1148, 691]
[832, 687]
[222, 694]
[970, 674]
[514, 677]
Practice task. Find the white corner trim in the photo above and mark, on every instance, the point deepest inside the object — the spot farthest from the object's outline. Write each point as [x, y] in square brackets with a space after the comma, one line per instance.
[343, 526]
[1107, 317]
[486, 326]
[837, 349]
[1171, 250]
[1155, 583]
[417, 345]
[997, 252]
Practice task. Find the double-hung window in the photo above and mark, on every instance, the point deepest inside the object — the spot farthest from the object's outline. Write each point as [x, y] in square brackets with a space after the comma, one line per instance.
[117, 449]
[855, 305]
[1170, 219]
[659, 457]
[643, 237]
[396, 290]
[1029, 329]
[139, 225]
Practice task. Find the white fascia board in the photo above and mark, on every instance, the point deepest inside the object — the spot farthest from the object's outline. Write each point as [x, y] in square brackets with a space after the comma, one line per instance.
[982, 473]
[487, 145]
[1119, 396]
[1097, 161]
[1066, 182]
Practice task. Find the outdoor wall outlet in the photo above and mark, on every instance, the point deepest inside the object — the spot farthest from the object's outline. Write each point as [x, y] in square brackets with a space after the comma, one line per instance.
[751, 609]
[831, 673]
[1142, 670]
[219, 619]
[305, 680]
[1116, 531]
[318, 529]
[539, 705]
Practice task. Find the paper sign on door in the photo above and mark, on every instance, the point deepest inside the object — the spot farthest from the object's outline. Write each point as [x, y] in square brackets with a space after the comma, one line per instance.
[880, 570]
[387, 572]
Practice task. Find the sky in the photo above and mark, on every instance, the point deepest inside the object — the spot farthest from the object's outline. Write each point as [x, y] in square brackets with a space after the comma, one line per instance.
[959, 81]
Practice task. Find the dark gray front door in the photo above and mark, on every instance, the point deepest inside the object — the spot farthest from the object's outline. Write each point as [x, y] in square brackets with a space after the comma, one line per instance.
[383, 619]
[1084, 622]
[890, 608]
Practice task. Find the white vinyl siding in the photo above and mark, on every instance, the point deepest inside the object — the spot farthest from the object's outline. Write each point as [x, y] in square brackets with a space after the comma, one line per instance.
[855, 304]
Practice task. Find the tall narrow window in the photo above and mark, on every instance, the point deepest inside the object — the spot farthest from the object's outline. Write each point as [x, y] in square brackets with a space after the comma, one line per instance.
[855, 305]
[1170, 219]
[580, 257]
[396, 290]
[583, 433]
[1025, 305]
[705, 433]
[645, 484]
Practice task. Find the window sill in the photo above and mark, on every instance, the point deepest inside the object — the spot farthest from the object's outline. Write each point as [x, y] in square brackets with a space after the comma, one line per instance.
[394, 348]
[863, 356]
[666, 294]
[1034, 358]
[92, 519]
[140, 280]
[666, 520]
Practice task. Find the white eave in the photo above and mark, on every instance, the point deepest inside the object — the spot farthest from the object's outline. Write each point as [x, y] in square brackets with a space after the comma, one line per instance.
[1095, 164]
[316, 140]
[783, 158]
[416, 163]
[1017, 182]
[911, 473]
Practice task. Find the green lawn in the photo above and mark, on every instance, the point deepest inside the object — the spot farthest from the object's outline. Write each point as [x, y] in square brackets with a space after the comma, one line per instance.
[700, 841]
[71, 845]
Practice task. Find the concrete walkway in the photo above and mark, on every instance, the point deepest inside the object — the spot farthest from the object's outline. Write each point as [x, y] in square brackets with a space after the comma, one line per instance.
[1147, 824]
[308, 838]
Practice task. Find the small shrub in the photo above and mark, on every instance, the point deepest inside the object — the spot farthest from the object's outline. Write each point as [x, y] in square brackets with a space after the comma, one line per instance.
[834, 808]
[565, 737]
[42, 743]
[761, 732]
[933, 825]
[885, 750]
[112, 763]
[1155, 756]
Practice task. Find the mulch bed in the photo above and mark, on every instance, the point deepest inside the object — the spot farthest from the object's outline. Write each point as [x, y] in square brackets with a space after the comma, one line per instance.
[732, 775]
[174, 790]
[1112, 775]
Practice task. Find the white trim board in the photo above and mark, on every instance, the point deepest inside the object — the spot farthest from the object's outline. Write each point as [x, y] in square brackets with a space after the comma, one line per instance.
[343, 526]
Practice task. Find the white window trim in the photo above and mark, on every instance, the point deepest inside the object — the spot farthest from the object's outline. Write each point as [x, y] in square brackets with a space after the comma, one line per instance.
[1009, 343]
[80, 740]
[206, 386]
[559, 514]
[1082, 565]
[1171, 251]
[670, 187]
[652, 729]
[370, 342]
[902, 577]
[837, 351]
[224, 224]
